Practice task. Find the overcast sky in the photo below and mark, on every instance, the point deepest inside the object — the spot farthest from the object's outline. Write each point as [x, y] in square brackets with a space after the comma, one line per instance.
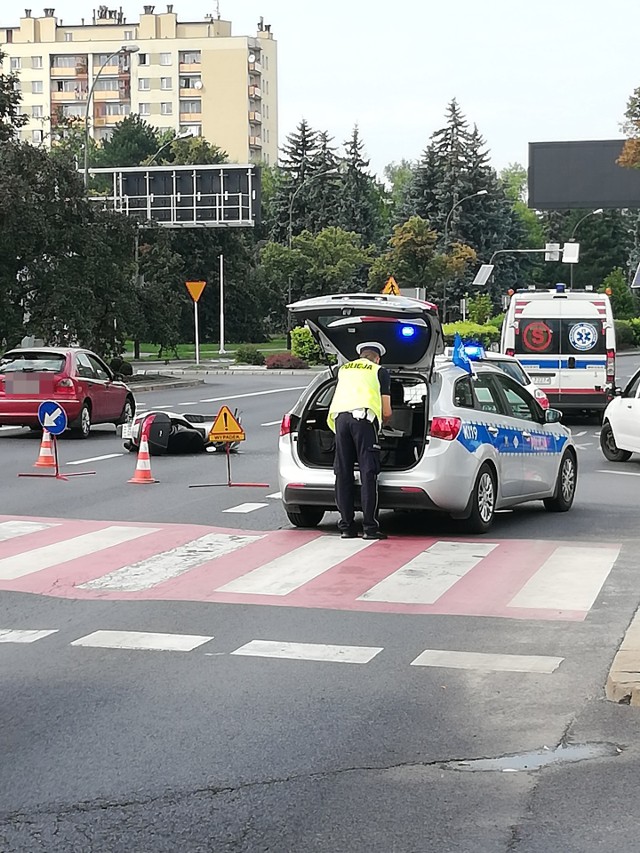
[523, 72]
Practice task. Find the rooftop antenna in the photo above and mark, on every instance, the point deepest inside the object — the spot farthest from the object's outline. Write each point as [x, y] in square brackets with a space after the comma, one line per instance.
[218, 9]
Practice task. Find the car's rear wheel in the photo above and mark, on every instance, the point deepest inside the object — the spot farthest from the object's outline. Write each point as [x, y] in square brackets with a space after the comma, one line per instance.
[128, 411]
[565, 485]
[82, 427]
[609, 447]
[306, 516]
[483, 501]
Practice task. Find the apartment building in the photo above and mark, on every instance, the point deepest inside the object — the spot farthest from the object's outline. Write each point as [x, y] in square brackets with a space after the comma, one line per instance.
[191, 77]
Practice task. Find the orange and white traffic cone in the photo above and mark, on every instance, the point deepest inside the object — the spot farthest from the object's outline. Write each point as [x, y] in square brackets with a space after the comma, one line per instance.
[142, 473]
[46, 459]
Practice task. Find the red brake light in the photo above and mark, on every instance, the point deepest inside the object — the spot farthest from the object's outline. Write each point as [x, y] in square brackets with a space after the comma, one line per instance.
[510, 352]
[285, 426]
[445, 428]
[64, 384]
[611, 366]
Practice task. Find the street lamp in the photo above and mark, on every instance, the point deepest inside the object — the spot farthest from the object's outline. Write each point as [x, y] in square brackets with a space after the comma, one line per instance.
[446, 240]
[122, 51]
[182, 135]
[327, 173]
[572, 239]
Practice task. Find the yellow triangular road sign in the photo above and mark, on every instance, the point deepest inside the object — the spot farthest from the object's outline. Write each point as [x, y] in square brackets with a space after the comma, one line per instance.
[391, 287]
[226, 427]
[195, 289]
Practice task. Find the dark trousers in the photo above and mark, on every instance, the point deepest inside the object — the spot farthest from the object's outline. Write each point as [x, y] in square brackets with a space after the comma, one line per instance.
[356, 441]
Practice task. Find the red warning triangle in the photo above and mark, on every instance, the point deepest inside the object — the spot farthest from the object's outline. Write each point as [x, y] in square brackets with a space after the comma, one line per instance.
[226, 427]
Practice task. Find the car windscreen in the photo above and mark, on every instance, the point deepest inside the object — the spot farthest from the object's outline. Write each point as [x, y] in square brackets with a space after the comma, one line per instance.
[32, 362]
[571, 337]
[512, 369]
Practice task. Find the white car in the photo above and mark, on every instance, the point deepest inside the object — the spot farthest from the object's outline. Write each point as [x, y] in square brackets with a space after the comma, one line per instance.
[620, 433]
[459, 444]
[510, 365]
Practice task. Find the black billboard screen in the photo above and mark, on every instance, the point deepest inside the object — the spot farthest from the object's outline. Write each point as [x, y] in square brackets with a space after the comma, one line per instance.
[565, 175]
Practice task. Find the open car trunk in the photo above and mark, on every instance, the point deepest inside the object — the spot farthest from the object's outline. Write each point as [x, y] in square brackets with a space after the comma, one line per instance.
[402, 443]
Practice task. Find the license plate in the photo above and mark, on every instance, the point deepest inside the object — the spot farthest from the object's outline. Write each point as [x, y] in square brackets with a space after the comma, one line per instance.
[542, 380]
[127, 430]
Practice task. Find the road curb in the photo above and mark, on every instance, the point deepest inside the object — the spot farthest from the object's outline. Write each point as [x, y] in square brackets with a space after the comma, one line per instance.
[623, 682]
[239, 371]
[165, 386]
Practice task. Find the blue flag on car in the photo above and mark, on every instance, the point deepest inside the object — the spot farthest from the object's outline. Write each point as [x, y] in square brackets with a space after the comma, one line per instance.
[460, 357]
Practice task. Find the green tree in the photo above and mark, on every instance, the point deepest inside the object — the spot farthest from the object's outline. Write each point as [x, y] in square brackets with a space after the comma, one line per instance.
[296, 165]
[11, 117]
[480, 309]
[623, 302]
[192, 151]
[399, 177]
[323, 194]
[361, 197]
[630, 157]
[133, 141]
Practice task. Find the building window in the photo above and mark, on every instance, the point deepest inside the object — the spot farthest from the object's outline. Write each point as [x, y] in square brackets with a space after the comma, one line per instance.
[102, 58]
[103, 84]
[37, 112]
[36, 87]
[165, 59]
[166, 108]
[17, 86]
[192, 129]
[73, 110]
[190, 106]
[9, 36]
[128, 35]
[68, 36]
[36, 62]
[16, 64]
[36, 136]
[115, 109]
[190, 57]
[144, 84]
[68, 60]
[143, 59]
[165, 83]
[144, 109]
[191, 83]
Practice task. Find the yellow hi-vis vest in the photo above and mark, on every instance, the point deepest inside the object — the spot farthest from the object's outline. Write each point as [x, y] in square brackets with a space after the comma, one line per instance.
[358, 388]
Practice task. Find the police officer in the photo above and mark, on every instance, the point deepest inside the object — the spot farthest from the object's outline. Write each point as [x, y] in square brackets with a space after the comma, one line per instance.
[360, 405]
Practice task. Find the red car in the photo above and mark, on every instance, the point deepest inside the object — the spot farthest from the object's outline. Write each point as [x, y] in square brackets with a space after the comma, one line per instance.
[77, 379]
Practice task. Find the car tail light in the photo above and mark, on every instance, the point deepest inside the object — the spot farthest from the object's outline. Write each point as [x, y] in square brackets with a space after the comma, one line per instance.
[65, 384]
[611, 366]
[510, 352]
[289, 424]
[542, 398]
[445, 428]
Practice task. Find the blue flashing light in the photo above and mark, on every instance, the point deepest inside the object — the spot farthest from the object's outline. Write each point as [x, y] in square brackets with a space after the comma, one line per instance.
[560, 288]
[475, 352]
[408, 331]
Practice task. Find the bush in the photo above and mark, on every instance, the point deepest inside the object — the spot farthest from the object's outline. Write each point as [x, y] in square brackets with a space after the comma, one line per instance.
[249, 355]
[284, 361]
[119, 365]
[471, 333]
[635, 328]
[496, 321]
[303, 345]
[625, 337]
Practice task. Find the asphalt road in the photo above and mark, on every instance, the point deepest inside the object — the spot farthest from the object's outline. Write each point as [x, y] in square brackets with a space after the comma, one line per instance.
[219, 748]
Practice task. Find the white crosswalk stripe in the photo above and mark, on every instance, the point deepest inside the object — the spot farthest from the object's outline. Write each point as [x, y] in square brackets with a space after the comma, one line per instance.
[245, 508]
[142, 641]
[15, 635]
[308, 651]
[488, 662]
[170, 564]
[429, 575]
[289, 572]
[11, 529]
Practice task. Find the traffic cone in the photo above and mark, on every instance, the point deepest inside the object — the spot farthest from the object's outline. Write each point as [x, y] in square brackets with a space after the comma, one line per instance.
[46, 459]
[142, 473]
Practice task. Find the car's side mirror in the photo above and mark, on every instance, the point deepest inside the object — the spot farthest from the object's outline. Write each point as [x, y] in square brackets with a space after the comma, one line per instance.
[617, 392]
[552, 416]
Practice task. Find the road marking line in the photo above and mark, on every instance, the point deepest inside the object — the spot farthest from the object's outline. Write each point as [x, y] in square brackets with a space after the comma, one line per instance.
[11, 529]
[95, 459]
[624, 473]
[276, 496]
[581, 433]
[8, 428]
[308, 651]
[425, 578]
[570, 579]
[62, 552]
[253, 394]
[272, 423]
[8, 635]
[244, 508]
[170, 564]
[293, 570]
[194, 403]
[486, 662]
[142, 640]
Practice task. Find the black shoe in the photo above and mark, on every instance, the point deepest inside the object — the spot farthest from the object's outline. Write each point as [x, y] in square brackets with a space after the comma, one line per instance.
[352, 533]
[377, 535]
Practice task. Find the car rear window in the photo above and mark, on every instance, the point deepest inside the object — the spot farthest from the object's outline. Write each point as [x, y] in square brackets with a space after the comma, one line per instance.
[32, 362]
[512, 369]
[576, 336]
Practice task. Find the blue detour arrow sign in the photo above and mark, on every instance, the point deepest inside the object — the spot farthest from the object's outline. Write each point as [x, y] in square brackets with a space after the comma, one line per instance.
[52, 417]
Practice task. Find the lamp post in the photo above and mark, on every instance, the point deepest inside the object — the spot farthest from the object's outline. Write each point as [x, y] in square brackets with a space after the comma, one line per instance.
[445, 238]
[122, 51]
[572, 239]
[182, 135]
[304, 183]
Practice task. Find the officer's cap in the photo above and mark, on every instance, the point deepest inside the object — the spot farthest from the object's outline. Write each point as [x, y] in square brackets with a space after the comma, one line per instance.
[371, 345]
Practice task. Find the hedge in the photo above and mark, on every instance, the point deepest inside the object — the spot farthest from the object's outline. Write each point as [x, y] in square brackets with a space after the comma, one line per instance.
[249, 355]
[304, 345]
[471, 333]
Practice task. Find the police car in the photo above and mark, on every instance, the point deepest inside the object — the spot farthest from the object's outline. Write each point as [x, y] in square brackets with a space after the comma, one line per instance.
[462, 443]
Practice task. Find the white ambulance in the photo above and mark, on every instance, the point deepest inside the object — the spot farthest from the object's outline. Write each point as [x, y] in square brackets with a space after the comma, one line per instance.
[566, 342]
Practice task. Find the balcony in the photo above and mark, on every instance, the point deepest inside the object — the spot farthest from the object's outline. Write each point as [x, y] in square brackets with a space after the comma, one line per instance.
[255, 117]
[255, 92]
[107, 121]
[190, 118]
[108, 70]
[255, 142]
[68, 71]
[256, 67]
[191, 92]
[106, 95]
[189, 67]
[67, 97]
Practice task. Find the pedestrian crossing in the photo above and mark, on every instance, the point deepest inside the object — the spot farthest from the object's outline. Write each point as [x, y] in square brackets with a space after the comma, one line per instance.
[514, 579]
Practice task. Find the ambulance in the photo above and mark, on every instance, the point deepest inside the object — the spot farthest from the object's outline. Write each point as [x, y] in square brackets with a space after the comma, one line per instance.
[566, 342]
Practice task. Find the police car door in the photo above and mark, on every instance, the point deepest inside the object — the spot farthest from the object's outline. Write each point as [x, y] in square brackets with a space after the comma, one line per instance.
[537, 449]
[492, 426]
